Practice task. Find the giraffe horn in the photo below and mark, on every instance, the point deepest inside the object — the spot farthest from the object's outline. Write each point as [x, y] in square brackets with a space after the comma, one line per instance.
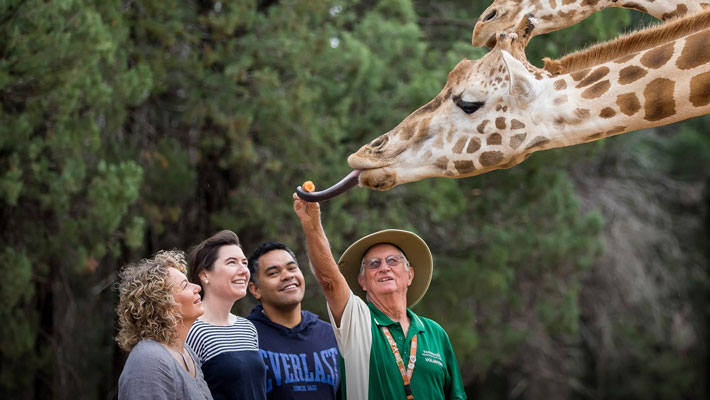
[346, 183]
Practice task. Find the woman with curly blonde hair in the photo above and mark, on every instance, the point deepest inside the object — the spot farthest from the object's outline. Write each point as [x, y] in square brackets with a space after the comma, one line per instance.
[157, 306]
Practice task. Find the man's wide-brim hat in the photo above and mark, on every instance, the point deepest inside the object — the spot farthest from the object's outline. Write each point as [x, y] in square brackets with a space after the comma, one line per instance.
[414, 248]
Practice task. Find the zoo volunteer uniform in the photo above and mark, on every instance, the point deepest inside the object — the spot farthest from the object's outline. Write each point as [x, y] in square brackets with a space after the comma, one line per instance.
[370, 368]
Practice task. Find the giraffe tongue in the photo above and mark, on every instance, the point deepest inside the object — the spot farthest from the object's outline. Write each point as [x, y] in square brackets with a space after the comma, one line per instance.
[346, 183]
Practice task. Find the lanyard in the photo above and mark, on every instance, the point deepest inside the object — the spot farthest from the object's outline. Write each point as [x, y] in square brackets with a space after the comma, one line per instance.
[406, 373]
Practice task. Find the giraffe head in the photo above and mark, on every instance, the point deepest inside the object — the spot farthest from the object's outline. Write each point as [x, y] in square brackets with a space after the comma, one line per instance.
[503, 15]
[553, 15]
[482, 120]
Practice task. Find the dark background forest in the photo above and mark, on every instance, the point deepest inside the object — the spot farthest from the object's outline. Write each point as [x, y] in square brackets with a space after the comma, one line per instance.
[127, 127]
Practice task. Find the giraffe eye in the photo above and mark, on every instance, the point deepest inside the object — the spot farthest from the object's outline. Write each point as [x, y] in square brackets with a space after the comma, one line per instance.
[490, 16]
[469, 107]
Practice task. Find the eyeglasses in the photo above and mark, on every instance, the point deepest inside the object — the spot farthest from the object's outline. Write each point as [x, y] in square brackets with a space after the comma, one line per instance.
[375, 263]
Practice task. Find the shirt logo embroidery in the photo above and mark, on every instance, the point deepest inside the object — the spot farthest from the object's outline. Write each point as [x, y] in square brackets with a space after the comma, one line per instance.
[434, 358]
[297, 369]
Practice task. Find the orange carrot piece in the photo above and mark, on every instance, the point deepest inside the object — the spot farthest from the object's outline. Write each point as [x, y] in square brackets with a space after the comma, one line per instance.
[308, 186]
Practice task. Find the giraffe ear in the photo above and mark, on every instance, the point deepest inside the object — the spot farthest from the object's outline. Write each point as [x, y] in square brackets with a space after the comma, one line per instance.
[522, 83]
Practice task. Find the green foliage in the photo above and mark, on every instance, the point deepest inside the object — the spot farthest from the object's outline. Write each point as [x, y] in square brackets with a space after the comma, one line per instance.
[645, 360]
[689, 151]
[64, 205]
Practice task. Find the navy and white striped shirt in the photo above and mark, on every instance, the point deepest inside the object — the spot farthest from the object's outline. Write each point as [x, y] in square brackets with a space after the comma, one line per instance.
[230, 360]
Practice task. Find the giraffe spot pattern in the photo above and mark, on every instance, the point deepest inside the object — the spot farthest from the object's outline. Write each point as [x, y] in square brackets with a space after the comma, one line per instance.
[616, 130]
[631, 74]
[696, 51]
[464, 167]
[459, 73]
[430, 106]
[593, 77]
[409, 128]
[423, 131]
[473, 145]
[553, 4]
[516, 140]
[567, 2]
[537, 142]
[577, 76]
[581, 114]
[493, 139]
[560, 84]
[607, 112]
[700, 90]
[450, 134]
[515, 124]
[625, 58]
[596, 90]
[442, 163]
[490, 158]
[657, 57]
[482, 126]
[458, 147]
[500, 123]
[637, 7]
[679, 11]
[560, 100]
[628, 103]
[593, 137]
[592, 3]
[658, 99]
[599, 135]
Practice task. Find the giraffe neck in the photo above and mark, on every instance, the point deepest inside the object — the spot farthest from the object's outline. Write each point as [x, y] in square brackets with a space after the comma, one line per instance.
[662, 85]
[570, 12]
[663, 10]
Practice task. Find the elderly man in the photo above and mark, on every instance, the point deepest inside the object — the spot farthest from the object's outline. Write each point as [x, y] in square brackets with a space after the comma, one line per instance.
[388, 351]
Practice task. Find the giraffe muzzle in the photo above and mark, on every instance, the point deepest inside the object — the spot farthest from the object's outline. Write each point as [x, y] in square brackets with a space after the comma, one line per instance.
[346, 183]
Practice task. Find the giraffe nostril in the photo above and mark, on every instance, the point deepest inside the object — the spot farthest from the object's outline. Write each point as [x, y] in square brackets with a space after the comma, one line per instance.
[490, 16]
[379, 142]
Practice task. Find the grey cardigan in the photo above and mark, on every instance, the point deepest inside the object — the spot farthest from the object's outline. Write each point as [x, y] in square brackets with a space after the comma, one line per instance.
[151, 372]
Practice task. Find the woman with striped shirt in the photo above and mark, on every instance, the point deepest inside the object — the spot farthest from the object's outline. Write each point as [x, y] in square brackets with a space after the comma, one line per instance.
[226, 345]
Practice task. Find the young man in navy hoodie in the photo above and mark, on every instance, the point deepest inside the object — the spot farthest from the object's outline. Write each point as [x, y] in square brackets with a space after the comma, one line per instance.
[299, 350]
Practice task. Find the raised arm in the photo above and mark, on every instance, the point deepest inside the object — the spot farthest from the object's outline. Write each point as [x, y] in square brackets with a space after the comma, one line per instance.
[323, 265]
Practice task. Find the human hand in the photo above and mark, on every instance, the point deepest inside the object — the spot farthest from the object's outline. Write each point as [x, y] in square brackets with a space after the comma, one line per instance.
[308, 212]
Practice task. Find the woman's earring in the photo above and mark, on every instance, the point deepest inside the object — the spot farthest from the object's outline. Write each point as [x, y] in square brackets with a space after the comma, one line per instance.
[207, 281]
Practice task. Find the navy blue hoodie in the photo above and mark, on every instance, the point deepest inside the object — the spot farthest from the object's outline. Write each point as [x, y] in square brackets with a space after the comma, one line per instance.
[301, 362]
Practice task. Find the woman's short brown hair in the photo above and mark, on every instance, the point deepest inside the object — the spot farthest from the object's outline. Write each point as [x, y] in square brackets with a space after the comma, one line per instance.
[146, 301]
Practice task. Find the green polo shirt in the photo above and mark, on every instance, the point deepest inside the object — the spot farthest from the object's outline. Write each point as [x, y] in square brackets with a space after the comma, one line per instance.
[369, 369]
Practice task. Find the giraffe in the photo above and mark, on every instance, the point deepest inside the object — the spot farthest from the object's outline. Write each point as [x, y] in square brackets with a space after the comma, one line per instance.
[494, 112]
[554, 15]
